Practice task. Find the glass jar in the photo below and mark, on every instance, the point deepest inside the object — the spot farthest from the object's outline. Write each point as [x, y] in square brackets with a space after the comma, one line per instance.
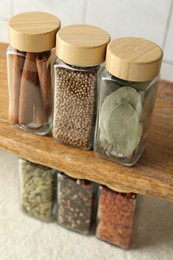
[127, 88]
[76, 201]
[32, 38]
[80, 51]
[37, 190]
[115, 217]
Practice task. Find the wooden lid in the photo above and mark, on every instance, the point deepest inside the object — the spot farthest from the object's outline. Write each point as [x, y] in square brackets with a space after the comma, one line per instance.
[82, 45]
[133, 59]
[33, 31]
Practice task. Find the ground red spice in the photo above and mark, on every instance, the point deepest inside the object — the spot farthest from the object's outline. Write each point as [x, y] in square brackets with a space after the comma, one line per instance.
[115, 217]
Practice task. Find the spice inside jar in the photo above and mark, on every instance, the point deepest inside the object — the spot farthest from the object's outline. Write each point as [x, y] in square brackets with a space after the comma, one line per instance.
[80, 51]
[30, 94]
[115, 217]
[75, 106]
[29, 71]
[37, 190]
[127, 89]
[76, 199]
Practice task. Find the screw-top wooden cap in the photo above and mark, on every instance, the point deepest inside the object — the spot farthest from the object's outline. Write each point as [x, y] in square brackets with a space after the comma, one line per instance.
[33, 31]
[82, 45]
[133, 59]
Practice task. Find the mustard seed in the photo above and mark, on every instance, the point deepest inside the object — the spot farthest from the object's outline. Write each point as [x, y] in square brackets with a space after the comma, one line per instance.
[75, 105]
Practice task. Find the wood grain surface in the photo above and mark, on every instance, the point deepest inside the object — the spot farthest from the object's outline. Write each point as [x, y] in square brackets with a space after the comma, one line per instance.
[151, 176]
[128, 56]
[33, 31]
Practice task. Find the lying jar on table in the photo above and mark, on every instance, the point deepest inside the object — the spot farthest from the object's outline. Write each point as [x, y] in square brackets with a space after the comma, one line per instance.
[37, 190]
[32, 38]
[76, 201]
[127, 89]
[115, 217]
[80, 52]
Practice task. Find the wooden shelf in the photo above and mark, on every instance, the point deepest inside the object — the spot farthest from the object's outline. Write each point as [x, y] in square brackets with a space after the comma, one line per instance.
[151, 176]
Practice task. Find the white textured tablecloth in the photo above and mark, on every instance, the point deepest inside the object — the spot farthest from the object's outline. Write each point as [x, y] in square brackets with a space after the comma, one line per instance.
[24, 238]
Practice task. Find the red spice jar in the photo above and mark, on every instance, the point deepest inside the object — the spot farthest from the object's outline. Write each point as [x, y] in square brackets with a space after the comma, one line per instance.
[115, 217]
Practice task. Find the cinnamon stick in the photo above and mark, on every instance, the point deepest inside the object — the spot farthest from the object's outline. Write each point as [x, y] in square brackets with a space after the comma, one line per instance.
[45, 83]
[28, 91]
[18, 62]
[39, 117]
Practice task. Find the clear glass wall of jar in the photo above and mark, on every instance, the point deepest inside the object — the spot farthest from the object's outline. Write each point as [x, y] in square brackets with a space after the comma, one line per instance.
[125, 105]
[115, 217]
[29, 71]
[80, 51]
[37, 190]
[76, 204]
[75, 104]
[124, 102]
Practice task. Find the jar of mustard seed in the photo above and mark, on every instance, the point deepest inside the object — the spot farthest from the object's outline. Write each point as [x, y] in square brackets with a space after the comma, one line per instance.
[37, 190]
[80, 52]
[115, 217]
[127, 88]
[32, 37]
[76, 204]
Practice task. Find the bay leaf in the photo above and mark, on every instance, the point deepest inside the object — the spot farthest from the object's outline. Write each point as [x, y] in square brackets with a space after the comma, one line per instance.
[123, 94]
[125, 128]
[109, 87]
[107, 146]
[142, 86]
[103, 141]
[150, 97]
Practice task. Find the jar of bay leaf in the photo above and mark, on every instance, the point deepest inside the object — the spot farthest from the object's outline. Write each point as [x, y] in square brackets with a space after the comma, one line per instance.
[37, 190]
[32, 37]
[80, 51]
[76, 201]
[127, 88]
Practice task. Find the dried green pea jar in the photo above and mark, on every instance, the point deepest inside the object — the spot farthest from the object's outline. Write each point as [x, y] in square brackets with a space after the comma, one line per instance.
[127, 88]
[37, 190]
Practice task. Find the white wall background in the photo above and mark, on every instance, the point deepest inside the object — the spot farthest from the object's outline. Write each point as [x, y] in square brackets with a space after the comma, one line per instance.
[152, 20]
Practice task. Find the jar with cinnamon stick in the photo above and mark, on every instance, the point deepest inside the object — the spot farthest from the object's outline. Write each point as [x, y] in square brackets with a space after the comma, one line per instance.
[115, 217]
[32, 39]
[80, 52]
